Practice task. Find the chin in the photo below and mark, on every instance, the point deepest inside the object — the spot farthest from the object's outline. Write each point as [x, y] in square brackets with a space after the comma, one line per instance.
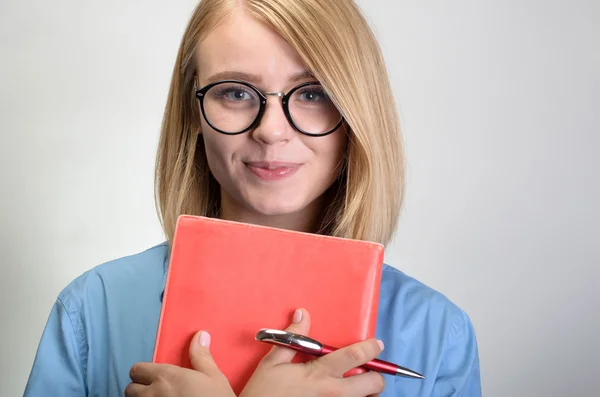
[276, 207]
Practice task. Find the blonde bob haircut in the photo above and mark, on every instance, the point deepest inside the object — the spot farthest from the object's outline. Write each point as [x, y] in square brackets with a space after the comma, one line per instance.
[340, 50]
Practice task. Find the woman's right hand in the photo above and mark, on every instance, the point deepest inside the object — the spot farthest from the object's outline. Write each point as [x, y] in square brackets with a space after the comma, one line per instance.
[276, 376]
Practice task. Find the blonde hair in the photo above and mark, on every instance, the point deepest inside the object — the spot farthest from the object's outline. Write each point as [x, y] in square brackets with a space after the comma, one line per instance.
[340, 50]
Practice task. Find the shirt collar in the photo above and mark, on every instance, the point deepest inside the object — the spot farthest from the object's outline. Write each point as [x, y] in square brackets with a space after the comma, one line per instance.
[163, 280]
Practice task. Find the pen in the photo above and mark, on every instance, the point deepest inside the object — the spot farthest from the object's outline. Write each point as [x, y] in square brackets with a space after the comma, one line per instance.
[307, 345]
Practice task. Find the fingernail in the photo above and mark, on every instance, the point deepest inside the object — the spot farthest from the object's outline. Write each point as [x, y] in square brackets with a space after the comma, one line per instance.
[381, 345]
[204, 339]
[297, 316]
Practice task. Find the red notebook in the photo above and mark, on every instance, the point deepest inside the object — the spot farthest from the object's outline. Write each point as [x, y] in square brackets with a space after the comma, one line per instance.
[232, 279]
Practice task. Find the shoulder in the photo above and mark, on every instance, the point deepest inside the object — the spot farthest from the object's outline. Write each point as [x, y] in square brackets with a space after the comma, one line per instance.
[120, 277]
[399, 286]
[90, 315]
[429, 333]
[413, 305]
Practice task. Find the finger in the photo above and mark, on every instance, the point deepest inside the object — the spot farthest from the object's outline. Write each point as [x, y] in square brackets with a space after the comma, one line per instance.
[144, 373]
[134, 390]
[349, 357]
[366, 384]
[200, 356]
[279, 354]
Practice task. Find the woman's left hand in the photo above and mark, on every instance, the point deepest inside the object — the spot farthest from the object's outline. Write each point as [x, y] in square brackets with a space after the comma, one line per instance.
[205, 379]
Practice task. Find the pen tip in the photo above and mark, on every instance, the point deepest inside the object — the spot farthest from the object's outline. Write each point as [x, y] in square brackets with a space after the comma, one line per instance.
[409, 373]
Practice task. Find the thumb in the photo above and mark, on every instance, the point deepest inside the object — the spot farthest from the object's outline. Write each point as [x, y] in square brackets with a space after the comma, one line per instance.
[200, 356]
[280, 354]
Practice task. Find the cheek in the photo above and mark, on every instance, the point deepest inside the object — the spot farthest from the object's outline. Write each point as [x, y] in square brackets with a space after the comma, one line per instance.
[220, 149]
[330, 149]
[340, 144]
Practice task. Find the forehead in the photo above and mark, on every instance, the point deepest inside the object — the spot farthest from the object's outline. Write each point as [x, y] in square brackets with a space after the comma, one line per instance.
[243, 44]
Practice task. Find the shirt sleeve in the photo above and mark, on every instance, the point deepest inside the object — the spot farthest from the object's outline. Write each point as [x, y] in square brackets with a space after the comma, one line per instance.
[57, 367]
[459, 374]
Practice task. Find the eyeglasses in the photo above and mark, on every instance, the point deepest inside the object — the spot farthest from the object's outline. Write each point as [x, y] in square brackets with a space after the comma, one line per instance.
[233, 107]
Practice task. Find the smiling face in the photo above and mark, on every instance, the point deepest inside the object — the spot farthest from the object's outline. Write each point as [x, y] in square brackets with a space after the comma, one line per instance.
[271, 174]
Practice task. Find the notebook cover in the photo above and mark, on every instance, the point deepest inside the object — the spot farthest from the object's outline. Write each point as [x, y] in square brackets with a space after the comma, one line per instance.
[232, 279]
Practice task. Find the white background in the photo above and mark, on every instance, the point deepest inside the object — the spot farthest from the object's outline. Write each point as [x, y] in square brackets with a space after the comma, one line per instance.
[500, 106]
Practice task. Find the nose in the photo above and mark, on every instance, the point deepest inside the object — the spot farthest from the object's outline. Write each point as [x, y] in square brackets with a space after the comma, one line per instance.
[273, 126]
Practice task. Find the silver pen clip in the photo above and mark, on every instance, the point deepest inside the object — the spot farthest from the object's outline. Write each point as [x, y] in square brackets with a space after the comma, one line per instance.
[288, 339]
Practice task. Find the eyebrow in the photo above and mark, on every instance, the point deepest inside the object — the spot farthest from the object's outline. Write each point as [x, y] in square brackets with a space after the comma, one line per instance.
[255, 78]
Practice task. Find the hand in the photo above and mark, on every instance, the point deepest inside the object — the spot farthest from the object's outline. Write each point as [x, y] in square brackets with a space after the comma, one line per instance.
[276, 376]
[205, 379]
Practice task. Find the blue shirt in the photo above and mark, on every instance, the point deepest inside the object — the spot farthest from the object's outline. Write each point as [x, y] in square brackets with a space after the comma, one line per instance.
[106, 320]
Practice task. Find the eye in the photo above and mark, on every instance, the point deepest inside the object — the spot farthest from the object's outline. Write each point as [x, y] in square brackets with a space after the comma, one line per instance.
[311, 94]
[237, 94]
[234, 93]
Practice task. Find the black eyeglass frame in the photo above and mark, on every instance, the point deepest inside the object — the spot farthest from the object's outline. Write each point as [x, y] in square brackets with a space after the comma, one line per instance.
[200, 94]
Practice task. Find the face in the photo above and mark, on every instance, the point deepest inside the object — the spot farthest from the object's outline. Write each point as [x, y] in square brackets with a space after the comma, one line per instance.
[271, 170]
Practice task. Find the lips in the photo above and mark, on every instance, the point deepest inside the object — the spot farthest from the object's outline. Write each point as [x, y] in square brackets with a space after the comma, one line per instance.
[272, 170]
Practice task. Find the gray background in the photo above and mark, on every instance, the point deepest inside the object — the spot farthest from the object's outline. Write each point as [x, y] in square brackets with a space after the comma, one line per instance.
[500, 110]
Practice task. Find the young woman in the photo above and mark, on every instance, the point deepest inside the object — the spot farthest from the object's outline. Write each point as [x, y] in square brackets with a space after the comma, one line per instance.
[280, 113]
